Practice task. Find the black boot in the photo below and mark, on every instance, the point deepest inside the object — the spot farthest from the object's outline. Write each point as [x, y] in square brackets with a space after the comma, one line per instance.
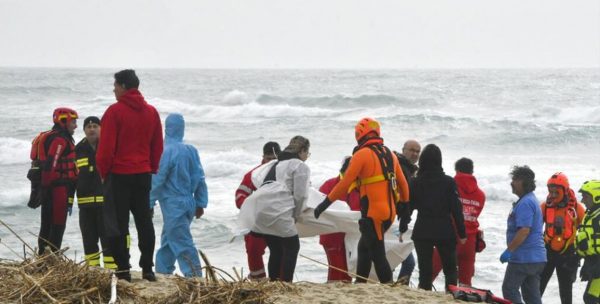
[149, 275]
[124, 275]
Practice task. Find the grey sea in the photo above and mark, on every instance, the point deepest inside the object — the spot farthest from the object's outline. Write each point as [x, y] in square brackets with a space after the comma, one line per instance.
[547, 119]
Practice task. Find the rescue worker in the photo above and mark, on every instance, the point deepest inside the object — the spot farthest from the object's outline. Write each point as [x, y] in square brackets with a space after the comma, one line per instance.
[129, 150]
[58, 176]
[333, 243]
[180, 188]
[255, 246]
[90, 197]
[472, 200]
[375, 170]
[408, 162]
[588, 241]
[440, 217]
[279, 202]
[562, 215]
[525, 252]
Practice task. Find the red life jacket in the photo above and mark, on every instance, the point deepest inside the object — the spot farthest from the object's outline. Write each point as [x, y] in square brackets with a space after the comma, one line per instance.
[59, 168]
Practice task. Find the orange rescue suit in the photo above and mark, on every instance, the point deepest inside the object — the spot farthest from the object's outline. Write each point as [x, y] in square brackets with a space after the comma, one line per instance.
[377, 202]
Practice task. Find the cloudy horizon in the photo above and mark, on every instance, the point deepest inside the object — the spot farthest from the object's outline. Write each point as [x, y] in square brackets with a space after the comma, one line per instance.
[464, 34]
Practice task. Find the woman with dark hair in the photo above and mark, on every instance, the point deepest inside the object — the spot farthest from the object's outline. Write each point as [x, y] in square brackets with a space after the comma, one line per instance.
[440, 217]
[279, 201]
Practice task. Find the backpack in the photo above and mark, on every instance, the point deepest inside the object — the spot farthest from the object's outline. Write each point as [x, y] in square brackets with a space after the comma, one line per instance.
[475, 295]
[38, 157]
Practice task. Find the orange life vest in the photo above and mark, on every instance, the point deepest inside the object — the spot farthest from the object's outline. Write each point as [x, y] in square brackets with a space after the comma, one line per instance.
[561, 223]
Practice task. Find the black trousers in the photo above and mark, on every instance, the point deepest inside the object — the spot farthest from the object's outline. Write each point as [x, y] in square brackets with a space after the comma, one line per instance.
[447, 250]
[92, 230]
[371, 250]
[283, 254]
[566, 271]
[126, 193]
[53, 218]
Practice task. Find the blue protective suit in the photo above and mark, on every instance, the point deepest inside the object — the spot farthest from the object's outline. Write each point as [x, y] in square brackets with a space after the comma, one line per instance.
[180, 188]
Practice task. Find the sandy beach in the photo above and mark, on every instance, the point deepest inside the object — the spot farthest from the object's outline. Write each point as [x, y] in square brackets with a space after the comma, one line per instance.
[303, 292]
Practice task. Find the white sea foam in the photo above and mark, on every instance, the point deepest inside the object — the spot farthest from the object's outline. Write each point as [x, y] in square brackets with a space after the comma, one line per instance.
[14, 151]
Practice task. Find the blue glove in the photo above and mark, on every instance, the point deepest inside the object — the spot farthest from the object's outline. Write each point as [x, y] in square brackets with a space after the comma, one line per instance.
[70, 210]
[505, 256]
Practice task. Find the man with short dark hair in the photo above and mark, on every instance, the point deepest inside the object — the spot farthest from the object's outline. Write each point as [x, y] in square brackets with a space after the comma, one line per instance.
[90, 197]
[472, 200]
[130, 147]
[255, 246]
[526, 253]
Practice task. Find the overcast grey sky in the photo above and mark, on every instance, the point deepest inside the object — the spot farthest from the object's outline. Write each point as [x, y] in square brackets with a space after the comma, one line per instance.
[300, 34]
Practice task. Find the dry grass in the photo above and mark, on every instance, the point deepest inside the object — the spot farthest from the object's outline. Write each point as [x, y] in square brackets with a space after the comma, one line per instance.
[53, 278]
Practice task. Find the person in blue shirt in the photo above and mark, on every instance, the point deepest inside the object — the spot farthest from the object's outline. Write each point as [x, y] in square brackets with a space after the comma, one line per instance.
[180, 188]
[525, 252]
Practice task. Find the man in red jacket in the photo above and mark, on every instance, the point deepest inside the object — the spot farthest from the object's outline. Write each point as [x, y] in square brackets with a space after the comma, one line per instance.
[255, 246]
[473, 200]
[130, 147]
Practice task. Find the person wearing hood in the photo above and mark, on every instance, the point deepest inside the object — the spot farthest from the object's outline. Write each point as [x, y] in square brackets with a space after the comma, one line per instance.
[129, 151]
[58, 177]
[440, 217]
[473, 200]
[180, 188]
[280, 199]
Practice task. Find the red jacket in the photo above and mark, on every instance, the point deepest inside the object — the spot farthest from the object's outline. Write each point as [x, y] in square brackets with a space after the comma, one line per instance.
[352, 199]
[59, 160]
[131, 140]
[472, 199]
[245, 189]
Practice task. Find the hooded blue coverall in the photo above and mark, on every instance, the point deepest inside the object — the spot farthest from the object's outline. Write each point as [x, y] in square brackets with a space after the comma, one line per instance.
[180, 188]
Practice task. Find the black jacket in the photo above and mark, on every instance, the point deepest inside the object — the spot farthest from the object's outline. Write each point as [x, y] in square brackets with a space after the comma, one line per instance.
[408, 168]
[89, 186]
[435, 196]
[404, 210]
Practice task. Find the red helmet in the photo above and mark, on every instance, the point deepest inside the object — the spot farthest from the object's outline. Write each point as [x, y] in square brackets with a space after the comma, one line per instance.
[63, 116]
[366, 126]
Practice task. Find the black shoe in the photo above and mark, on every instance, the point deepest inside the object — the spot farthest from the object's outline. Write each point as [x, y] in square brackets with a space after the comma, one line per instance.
[124, 276]
[149, 276]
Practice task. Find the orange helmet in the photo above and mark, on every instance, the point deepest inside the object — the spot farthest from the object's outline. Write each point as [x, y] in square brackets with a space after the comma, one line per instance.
[366, 126]
[560, 181]
[62, 116]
